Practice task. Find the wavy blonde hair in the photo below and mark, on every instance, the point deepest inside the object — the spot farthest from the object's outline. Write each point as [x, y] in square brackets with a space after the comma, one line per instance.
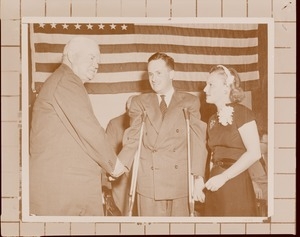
[236, 91]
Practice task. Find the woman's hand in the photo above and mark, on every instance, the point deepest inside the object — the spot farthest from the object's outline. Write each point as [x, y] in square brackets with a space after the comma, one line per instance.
[216, 182]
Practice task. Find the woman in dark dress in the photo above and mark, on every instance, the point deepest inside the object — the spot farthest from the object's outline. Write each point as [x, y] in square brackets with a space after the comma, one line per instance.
[234, 141]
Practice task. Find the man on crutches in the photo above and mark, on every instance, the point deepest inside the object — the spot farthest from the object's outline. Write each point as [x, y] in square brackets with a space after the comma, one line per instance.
[158, 142]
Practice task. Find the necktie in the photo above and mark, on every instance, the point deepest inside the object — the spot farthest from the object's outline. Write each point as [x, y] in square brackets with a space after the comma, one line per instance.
[163, 105]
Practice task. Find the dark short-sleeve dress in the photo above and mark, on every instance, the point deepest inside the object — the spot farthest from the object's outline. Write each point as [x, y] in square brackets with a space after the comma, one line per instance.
[236, 197]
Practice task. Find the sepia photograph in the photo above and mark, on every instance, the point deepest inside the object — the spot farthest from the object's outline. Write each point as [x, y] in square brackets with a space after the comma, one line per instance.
[147, 119]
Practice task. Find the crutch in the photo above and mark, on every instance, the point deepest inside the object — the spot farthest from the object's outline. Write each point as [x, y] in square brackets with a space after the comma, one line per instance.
[190, 176]
[135, 167]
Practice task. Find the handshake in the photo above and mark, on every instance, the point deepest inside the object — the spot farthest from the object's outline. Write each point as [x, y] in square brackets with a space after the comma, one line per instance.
[118, 171]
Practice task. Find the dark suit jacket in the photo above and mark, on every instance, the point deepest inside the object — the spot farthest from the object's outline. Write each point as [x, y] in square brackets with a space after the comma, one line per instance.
[163, 161]
[120, 188]
[68, 147]
[115, 130]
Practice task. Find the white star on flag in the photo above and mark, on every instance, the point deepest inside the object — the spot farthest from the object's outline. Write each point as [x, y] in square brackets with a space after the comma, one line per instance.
[112, 26]
[101, 26]
[89, 26]
[124, 27]
[77, 26]
[65, 26]
[42, 25]
[53, 25]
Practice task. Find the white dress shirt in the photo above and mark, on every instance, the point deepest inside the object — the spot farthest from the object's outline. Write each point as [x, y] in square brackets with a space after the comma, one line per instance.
[168, 96]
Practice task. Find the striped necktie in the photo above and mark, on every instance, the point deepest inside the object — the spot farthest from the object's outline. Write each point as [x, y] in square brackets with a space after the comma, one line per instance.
[163, 105]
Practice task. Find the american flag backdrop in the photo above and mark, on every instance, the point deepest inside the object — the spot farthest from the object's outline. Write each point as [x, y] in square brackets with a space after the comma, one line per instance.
[126, 47]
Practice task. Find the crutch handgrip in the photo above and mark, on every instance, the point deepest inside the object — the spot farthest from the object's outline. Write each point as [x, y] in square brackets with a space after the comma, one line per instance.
[186, 114]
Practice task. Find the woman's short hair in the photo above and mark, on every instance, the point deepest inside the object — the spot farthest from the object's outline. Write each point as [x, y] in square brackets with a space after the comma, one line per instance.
[236, 93]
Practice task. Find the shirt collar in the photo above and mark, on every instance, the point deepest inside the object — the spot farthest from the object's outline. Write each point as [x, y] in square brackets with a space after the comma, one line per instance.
[168, 95]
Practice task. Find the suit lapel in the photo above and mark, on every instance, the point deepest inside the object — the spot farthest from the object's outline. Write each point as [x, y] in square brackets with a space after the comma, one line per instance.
[153, 112]
[174, 111]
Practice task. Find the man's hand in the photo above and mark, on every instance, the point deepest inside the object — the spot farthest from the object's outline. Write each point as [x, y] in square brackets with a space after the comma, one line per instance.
[198, 189]
[119, 169]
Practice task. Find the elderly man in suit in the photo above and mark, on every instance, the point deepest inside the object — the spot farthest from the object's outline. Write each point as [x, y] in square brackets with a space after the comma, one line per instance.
[68, 146]
[162, 181]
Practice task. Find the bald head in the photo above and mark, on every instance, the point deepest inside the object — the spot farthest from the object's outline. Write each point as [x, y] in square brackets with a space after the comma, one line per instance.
[78, 44]
[82, 55]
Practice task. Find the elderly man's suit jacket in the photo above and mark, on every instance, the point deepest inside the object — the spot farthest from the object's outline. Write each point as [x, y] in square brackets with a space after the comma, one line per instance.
[162, 170]
[68, 147]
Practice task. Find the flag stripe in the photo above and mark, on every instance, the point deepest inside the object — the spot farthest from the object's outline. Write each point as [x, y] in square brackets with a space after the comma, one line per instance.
[195, 32]
[129, 48]
[125, 67]
[108, 59]
[143, 57]
[142, 75]
[153, 39]
[211, 26]
[186, 49]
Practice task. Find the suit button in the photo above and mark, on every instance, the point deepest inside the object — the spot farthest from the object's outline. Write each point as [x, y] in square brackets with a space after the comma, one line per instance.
[152, 167]
[176, 166]
[177, 130]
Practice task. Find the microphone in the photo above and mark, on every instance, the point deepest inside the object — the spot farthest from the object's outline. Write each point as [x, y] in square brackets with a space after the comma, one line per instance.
[186, 114]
